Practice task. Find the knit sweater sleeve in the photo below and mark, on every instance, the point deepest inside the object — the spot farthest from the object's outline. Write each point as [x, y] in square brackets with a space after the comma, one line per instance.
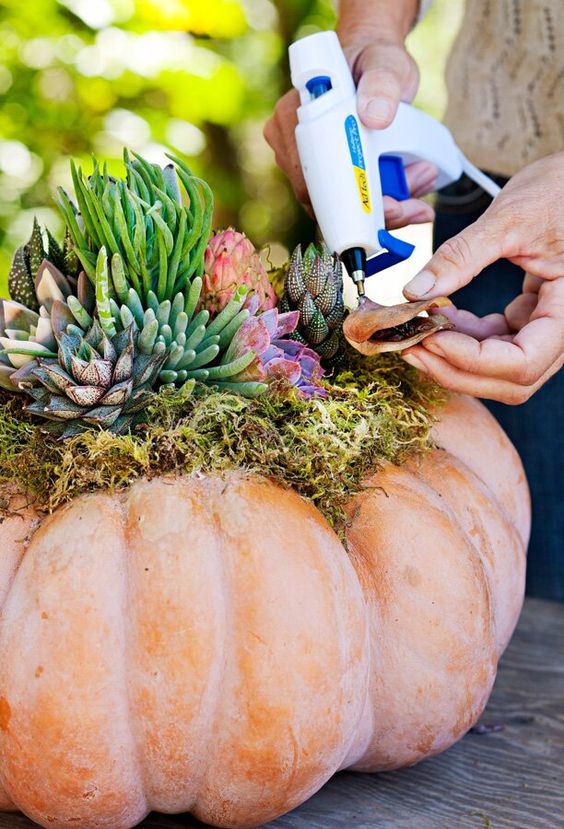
[505, 81]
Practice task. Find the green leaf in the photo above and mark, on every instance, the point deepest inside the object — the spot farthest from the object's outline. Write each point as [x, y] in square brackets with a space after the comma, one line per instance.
[103, 295]
[231, 310]
[222, 372]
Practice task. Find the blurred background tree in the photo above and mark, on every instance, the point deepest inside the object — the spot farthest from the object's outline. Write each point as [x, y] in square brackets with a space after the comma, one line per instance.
[84, 76]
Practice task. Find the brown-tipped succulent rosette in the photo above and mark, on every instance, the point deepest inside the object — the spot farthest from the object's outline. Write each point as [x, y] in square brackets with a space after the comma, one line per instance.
[373, 328]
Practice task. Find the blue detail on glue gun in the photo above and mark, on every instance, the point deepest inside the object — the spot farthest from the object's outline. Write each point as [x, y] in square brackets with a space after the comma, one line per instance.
[396, 251]
[392, 177]
[319, 85]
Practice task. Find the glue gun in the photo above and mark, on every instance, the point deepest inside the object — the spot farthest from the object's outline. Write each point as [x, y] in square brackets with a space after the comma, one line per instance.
[348, 168]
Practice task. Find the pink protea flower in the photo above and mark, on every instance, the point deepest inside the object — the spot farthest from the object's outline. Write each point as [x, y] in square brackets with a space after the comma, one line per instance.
[231, 260]
[276, 357]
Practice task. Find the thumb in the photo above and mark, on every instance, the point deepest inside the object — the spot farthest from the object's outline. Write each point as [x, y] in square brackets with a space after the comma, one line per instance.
[386, 74]
[456, 263]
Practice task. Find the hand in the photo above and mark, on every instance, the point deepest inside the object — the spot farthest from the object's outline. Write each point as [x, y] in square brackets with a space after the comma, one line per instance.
[385, 74]
[504, 357]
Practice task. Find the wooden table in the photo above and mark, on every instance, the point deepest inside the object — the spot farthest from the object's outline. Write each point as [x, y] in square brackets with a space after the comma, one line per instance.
[508, 778]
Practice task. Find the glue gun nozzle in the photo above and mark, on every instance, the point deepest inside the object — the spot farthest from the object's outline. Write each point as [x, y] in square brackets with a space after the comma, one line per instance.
[354, 260]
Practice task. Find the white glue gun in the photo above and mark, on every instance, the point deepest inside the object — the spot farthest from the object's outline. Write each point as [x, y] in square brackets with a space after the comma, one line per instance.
[348, 168]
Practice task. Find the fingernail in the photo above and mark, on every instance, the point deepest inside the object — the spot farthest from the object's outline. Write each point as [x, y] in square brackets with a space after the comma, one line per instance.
[421, 284]
[414, 361]
[377, 110]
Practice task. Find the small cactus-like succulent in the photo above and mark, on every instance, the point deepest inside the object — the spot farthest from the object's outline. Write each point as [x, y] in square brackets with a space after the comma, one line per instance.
[314, 287]
[28, 259]
[26, 332]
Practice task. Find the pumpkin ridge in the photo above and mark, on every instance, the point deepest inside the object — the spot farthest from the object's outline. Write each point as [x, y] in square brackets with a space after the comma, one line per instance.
[441, 469]
[20, 546]
[499, 504]
[399, 741]
[485, 448]
[61, 628]
[166, 569]
[282, 615]
[135, 750]
[8, 573]
[454, 519]
[212, 487]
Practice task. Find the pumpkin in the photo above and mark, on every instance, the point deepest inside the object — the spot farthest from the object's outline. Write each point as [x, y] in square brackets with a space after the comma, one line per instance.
[207, 645]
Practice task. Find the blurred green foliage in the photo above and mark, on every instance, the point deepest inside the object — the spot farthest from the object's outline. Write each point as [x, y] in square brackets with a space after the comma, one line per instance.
[83, 76]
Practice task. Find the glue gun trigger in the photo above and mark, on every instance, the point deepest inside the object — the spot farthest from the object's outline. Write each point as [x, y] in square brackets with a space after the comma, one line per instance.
[393, 180]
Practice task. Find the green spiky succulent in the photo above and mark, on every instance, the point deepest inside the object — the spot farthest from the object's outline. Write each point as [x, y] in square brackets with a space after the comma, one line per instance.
[142, 222]
[92, 379]
[193, 345]
[144, 251]
[314, 287]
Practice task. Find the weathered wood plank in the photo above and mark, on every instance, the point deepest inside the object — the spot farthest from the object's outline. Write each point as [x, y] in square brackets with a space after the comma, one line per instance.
[508, 779]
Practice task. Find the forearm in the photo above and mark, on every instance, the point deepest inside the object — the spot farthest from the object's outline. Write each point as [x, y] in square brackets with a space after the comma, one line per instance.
[369, 19]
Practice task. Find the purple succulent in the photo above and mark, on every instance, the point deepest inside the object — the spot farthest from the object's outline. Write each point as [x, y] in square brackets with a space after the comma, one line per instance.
[276, 357]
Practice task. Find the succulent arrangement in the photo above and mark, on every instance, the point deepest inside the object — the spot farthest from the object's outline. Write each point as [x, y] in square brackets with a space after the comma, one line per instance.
[141, 296]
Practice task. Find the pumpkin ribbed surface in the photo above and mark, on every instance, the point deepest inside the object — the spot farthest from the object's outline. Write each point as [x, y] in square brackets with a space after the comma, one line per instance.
[207, 645]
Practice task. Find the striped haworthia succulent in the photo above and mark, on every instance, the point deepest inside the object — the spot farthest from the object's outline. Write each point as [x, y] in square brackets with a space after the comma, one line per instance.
[34, 282]
[314, 286]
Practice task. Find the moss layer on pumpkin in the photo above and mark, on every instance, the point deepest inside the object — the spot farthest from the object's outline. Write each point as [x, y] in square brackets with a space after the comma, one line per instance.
[377, 410]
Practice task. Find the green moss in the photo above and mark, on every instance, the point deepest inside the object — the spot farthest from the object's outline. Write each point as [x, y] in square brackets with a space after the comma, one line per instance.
[377, 410]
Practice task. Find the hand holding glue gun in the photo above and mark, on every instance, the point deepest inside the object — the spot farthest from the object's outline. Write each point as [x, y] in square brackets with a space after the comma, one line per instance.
[525, 373]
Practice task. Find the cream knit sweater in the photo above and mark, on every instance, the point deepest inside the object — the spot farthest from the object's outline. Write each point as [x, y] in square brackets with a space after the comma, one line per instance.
[505, 79]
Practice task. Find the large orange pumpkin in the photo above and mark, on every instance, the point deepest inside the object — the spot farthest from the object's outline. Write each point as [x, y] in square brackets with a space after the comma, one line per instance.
[208, 645]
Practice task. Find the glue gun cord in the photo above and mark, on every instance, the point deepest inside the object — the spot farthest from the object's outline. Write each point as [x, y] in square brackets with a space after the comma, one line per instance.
[484, 181]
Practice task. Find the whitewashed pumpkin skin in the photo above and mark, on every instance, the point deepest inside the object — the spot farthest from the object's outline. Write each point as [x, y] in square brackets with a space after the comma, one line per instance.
[470, 432]
[208, 645]
[444, 595]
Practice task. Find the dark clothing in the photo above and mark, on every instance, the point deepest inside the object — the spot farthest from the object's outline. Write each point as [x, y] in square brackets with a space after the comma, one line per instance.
[535, 427]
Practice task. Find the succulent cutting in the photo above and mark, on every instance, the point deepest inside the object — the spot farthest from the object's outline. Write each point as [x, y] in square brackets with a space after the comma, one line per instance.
[375, 329]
